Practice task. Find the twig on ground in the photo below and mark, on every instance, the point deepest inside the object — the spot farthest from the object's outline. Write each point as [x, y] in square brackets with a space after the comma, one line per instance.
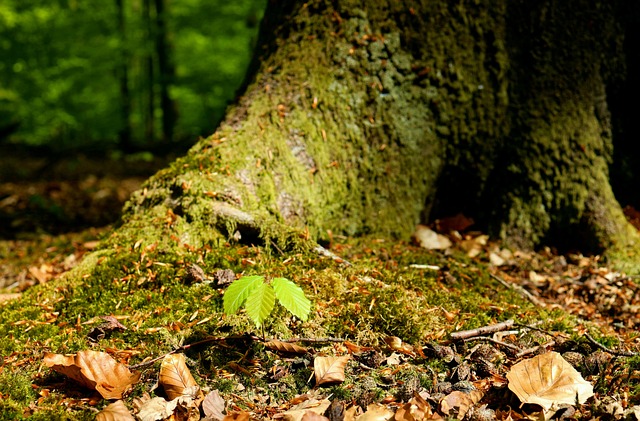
[620, 353]
[534, 349]
[494, 341]
[464, 334]
[221, 339]
[546, 332]
[517, 288]
[312, 340]
[328, 253]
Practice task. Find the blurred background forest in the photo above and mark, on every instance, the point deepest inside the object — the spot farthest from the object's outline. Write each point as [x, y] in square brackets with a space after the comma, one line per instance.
[128, 75]
[97, 95]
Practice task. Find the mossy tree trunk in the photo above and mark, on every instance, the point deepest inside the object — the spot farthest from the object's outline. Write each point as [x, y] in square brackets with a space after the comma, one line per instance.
[368, 117]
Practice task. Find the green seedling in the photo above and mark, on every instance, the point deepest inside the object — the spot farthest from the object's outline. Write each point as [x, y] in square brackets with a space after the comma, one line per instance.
[259, 298]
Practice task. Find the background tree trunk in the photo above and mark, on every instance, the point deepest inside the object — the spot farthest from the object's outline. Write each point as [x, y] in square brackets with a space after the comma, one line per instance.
[124, 135]
[166, 70]
[370, 118]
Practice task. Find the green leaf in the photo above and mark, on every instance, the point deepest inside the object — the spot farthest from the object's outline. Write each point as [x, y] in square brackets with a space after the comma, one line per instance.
[292, 298]
[238, 292]
[260, 303]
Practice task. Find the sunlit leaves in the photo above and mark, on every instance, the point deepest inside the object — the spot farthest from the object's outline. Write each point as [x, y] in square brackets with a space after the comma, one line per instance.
[292, 298]
[260, 303]
[259, 298]
[238, 292]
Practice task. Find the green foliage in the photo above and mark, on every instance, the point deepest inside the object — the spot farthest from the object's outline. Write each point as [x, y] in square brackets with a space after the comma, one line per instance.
[63, 64]
[259, 298]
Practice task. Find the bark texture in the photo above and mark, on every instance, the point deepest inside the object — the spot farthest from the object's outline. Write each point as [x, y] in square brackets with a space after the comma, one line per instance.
[366, 118]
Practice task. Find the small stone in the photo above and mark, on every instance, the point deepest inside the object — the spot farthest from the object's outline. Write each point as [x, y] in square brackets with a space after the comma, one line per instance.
[195, 274]
[224, 277]
[576, 359]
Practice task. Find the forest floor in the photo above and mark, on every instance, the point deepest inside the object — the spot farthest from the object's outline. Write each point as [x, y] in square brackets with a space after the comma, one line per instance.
[382, 343]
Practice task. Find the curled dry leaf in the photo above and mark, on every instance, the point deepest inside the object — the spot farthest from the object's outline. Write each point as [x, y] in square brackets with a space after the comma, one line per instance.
[429, 239]
[314, 406]
[175, 377]
[329, 369]
[548, 380]
[116, 411]
[376, 412]
[156, 409]
[94, 370]
[416, 409]
[312, 416]
[237, 416]
[458, 403]
[285, 347]
[213, 405]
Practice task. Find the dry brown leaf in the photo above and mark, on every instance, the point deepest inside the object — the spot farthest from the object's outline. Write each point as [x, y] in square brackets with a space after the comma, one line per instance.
[297, 413]
[416, 409]
[352, 413]
[285, 347]
[175, 377]
[329, 369]
[156, 409]
[94, 370]
[117, 411]
[237, 416]
[429, 239]
[376, 412]
[213, 406]
[548, 380]
[396, 344]
[458, 403]
[312, 416]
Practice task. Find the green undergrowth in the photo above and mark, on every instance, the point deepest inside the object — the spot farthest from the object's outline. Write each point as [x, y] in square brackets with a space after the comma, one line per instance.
[388, 291]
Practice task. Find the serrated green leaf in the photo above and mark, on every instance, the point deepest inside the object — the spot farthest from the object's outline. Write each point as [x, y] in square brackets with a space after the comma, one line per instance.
[292, 298]
[260, 303]
[238, 292]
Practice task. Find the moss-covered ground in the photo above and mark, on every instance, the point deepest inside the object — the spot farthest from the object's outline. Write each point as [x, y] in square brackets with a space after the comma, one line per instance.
[391, 289]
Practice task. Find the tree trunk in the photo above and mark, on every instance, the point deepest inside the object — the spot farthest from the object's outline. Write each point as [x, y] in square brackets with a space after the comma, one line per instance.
[166, 71]
[149, 78]
[124, 134]
[368, 118]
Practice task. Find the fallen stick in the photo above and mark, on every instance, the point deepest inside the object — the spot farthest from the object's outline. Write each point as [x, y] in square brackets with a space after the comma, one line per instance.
[517, 288]
[493, 341]
[619, 353]
[465, 334]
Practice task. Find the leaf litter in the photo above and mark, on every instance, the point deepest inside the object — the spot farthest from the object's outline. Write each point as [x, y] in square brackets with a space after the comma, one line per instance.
[474, 370]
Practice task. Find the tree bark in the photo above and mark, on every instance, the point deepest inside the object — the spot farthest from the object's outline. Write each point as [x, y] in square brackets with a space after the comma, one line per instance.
[166, 70]
[368, 118]
[124, 134]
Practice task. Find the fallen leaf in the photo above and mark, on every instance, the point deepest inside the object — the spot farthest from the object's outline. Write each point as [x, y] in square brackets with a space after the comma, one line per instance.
[285, 347]
[213, 405]
[416, 409]
[175, 377]
[376, 412]
[10, 296]
[457, 222]
[94, 370]
[116, 411]
[298, 412]
[156, 409]
[312, 416]
[237, 416]
[329, 369]
[429, 239]
[548, 380]
[458, 403]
